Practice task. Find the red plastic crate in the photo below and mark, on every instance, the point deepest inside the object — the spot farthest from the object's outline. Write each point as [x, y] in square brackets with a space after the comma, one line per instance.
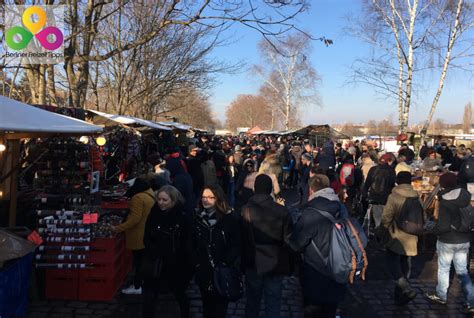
[106, 251]
[62, 283]
[105, 270]
[115, 205]
[98, 289]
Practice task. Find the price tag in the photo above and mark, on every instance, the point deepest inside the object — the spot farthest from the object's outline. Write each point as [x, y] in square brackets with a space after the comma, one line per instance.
[86, 218]
[90, 218]
[94, 217]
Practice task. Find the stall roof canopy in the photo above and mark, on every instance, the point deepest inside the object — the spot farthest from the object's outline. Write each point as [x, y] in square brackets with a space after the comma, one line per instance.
[176, 125]
[321, 130]
[128, 120]
[22, 118]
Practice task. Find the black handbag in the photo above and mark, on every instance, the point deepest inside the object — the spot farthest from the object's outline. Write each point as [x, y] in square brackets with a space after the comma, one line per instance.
[226, 280]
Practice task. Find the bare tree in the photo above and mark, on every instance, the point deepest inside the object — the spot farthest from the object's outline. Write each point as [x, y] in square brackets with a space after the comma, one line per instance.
[467, 119]
[408, 38]
[88, 21]
[459, 20]
[290, 80]
[438, 127]
[351, 130]
[248, 111]
[191, 107]
[371, 127]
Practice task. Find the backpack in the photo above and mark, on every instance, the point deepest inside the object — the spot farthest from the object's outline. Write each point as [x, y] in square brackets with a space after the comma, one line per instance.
[468, 172]
[411, 217]
[346, 176]
[347, 257]
[379, 183]
[467, 220]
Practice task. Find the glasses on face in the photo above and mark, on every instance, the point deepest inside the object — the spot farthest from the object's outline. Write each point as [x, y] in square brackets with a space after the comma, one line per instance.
[208, 197]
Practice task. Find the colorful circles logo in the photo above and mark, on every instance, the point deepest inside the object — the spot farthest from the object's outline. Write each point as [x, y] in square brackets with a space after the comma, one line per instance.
[32, 28]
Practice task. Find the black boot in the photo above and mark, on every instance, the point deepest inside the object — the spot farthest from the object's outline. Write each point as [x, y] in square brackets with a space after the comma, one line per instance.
[403, 292]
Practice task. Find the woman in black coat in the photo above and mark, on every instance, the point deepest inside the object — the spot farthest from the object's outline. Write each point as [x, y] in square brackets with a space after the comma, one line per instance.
[167, 243]
[216, 234]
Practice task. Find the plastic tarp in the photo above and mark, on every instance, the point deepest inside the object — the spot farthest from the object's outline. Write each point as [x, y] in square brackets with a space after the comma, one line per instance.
[129, 120]
[19, 117]
[13, 246]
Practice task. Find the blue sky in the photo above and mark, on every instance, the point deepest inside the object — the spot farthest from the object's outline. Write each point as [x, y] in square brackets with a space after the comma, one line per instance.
[341, 102]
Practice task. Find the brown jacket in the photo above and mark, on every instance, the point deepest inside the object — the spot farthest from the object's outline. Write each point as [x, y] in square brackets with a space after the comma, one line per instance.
[134, 228]
[399, 242]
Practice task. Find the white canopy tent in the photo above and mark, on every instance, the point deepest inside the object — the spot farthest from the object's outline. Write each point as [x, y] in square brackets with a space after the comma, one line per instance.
[17, 117]
[129, 120]
[18, 121]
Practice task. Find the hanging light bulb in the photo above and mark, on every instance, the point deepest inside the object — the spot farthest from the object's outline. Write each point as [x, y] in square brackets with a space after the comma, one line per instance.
[3, 147]
[84, 140]
[100, 140]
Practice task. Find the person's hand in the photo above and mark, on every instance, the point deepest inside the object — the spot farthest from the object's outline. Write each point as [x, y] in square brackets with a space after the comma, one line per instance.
[280, 201]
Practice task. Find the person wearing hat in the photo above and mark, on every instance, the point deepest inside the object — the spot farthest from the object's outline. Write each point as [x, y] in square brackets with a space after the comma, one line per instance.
[452, 245]
[400, 246]
[266, 225]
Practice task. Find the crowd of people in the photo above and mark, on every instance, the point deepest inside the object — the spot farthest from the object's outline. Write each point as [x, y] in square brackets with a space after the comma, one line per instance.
[215, 210]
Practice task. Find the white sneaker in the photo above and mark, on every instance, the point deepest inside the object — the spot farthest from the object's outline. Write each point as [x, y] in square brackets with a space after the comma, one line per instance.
[132, 290]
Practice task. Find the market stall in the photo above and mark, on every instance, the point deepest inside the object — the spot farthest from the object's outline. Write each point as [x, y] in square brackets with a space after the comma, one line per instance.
[78, 257]
[20, 121]
[320, 134]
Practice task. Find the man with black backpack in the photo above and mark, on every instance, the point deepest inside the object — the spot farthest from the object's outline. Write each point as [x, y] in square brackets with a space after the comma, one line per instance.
[401, 245]
[325, 272]
[454, 234]
[378, 186]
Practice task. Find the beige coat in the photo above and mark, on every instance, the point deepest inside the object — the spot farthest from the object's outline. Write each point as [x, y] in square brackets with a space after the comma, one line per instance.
[134, 228]
[399, 242]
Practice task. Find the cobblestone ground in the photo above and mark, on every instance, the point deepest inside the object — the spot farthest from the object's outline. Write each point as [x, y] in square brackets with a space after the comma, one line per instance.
[371, 298]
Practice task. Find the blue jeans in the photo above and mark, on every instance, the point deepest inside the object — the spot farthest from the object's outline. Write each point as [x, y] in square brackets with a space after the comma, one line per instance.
[270, 286]
[459, 254]
[231, 193]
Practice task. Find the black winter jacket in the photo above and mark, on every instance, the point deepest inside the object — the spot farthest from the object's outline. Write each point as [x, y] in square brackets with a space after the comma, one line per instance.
[270, 225]
[168, 236]
[449, 216]
[313, 228]
[389, 183]
[222, 241]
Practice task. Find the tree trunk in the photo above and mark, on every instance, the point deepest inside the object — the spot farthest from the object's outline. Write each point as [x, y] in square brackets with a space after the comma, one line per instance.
[32, 75]
[51, 86]
[447, 59]
[410, 62]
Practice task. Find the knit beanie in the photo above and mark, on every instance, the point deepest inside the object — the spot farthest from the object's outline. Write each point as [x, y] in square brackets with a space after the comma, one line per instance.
[448, 181]
[263, 184]
[404, 177]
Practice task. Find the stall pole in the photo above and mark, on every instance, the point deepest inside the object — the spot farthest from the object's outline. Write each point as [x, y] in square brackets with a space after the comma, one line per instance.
[15, 144]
